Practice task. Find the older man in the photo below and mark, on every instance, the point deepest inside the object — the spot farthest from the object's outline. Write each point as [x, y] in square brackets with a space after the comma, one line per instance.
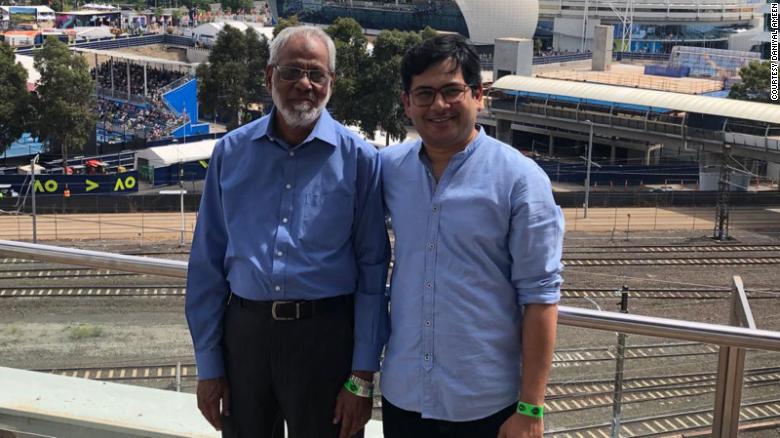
[285, 290]
[478, 242]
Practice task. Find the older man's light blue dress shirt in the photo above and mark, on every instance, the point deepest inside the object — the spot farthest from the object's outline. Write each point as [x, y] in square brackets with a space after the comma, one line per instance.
[470, 252]
[278, 222]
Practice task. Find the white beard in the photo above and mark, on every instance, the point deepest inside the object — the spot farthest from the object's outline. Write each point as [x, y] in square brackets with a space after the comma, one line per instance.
[300, 115]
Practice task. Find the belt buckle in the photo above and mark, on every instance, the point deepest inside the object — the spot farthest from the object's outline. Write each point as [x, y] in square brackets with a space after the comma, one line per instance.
[280, 318]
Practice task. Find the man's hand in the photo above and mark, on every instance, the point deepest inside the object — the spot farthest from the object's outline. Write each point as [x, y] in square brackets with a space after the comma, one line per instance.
[521, 426]
[353, 412]
[210, 392]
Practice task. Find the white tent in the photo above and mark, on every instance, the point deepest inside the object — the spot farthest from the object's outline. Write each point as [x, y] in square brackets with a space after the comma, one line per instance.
[166, 155]
[33, 76]
[207, 33]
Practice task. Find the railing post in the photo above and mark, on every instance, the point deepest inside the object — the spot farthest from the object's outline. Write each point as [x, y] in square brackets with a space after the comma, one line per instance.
[617, 396]
[731, 367]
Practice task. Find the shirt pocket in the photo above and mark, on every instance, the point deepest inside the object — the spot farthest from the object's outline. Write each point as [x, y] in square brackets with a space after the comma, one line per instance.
[326, 219]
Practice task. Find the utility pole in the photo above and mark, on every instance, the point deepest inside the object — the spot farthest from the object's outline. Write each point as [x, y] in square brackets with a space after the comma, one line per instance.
[721, 231]
[617, 396]
[587, 173]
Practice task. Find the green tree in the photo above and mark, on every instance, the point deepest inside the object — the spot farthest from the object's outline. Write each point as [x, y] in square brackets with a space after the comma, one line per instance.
[428, 32]
[65, 107]
[381, 88]
[257, 53]
[235, 5]
[351, 60]
[14, 98]
[284, 23]
[755, 83]
[234, 75]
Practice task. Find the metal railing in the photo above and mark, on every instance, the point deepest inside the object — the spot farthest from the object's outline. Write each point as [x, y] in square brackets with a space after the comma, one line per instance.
[733, 340]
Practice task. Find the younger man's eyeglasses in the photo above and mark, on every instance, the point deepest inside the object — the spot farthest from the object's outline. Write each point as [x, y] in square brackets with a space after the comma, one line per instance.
[294, 74]
[453, 93]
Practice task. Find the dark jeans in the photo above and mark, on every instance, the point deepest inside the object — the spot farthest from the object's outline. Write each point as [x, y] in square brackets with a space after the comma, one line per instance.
[398, 423]
[285, 369]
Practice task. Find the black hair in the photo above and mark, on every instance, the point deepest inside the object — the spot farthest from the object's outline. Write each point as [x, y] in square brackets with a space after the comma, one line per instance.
[437, 49]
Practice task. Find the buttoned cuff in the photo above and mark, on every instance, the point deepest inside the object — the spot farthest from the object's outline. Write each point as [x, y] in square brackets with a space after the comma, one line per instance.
[210, 364]
[365, 357]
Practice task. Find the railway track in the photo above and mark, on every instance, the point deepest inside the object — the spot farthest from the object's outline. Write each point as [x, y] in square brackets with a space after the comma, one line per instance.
[10, 274]
[571, 396]
[91, 291]
[577, 357]
[179, 290]
[666, 425]
[561, 358]
[677, 293]
[705, 261]
[665, 249]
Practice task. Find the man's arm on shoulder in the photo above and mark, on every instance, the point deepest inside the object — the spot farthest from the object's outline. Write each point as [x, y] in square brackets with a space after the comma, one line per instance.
[207, 287]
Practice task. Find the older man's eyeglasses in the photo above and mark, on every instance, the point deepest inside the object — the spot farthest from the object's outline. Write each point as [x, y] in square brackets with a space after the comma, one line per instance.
[294, 74]
[453, 93]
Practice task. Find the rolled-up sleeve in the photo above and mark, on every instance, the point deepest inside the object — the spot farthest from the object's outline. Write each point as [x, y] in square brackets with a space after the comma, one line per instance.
[372, 255]
[536, 241]
[207, 286]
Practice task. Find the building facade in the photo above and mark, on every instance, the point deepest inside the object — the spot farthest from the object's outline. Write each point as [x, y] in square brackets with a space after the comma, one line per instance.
[480, 21]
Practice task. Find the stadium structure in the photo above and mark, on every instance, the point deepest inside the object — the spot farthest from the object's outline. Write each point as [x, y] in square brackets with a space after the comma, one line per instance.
[653, 26]
[480, 21]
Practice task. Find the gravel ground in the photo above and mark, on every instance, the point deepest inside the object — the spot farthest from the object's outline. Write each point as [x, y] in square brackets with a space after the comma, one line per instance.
[42, 333]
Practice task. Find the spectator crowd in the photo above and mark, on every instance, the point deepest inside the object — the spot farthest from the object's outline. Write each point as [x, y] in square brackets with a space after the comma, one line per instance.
[156, 78]
[151, 121]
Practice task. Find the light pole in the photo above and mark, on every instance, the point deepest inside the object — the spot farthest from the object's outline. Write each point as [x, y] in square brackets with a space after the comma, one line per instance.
[33, 163]
[181, 194]
[587, 172]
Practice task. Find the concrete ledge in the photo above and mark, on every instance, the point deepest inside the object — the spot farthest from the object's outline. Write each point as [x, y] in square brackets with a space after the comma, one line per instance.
[71, 407]
[34, 404]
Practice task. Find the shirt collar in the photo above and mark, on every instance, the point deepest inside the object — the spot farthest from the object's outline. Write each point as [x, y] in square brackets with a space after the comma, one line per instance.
[324, 129]
[417, 150]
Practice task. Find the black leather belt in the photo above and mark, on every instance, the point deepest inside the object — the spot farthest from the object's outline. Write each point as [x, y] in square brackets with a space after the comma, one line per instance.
[294, 310]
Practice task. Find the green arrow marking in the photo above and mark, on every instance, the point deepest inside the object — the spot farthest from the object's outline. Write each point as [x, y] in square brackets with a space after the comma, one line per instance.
[91, 185]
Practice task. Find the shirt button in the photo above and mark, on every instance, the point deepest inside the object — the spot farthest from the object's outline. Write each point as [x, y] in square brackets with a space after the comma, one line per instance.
[429, 285]
[285, 220]
[279, 253]
[427, 357]
[292, 154]
[278, 288]
[427, 323]
[435, 208]
[288, 186]
[431, 245]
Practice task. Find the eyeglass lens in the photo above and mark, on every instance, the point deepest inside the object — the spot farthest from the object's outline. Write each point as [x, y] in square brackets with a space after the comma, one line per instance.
[288, 73]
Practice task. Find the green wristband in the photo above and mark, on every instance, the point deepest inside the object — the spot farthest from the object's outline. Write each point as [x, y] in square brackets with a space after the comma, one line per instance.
[358, 389]
[530, 410]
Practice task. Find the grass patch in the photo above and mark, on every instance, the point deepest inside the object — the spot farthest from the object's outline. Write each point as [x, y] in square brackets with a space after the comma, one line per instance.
[13, 330]
[85, 331]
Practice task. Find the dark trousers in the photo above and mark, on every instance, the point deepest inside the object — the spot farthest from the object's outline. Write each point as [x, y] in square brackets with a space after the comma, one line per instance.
[291, 370]
[399, 423]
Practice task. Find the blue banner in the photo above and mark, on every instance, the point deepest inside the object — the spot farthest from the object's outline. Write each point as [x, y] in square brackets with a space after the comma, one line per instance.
[116, 183]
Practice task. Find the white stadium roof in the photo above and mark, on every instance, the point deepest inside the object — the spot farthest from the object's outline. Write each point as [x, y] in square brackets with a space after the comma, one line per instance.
[717, 106]
[499, 18]
[162, 156]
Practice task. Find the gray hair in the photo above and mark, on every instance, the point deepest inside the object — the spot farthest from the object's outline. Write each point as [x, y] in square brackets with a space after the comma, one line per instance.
[284, 37]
